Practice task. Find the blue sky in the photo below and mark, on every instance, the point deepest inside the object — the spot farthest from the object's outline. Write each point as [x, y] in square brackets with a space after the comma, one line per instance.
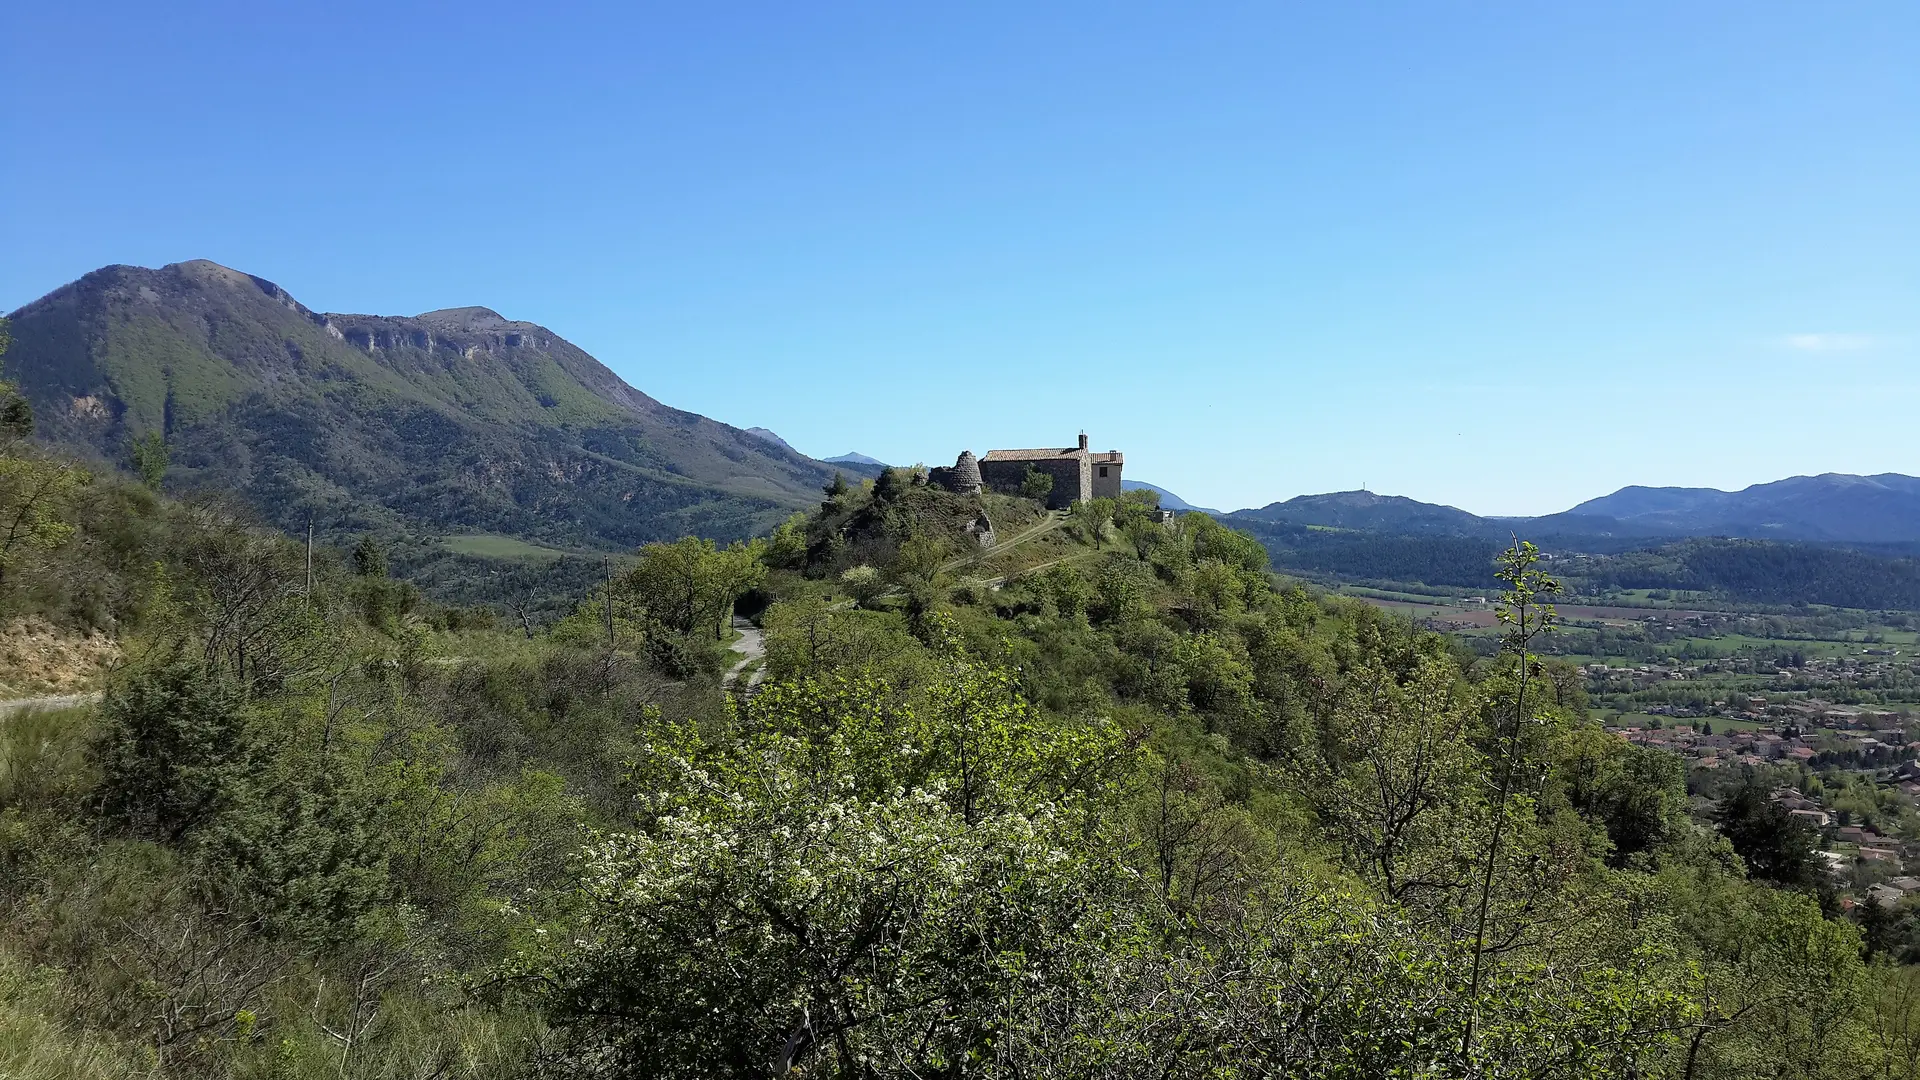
[1502, 256]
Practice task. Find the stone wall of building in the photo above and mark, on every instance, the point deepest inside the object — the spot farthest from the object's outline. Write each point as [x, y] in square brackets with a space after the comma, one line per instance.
[1070, 472]
[1106, 477]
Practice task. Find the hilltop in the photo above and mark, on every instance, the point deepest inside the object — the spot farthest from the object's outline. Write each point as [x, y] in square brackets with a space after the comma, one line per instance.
[1365, 510]
[457, 420]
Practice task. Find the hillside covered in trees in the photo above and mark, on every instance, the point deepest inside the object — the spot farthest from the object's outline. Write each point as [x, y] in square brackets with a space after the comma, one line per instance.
[1758, 572]
[451, 421]
[1105, 799]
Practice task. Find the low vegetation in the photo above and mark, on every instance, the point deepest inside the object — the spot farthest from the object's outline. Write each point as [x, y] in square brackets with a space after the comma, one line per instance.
[1108, 799]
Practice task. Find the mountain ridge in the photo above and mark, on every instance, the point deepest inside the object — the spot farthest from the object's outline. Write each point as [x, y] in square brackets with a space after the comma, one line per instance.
[1168, 500]
[1878, 508]
[458, 418]
[1830, 507]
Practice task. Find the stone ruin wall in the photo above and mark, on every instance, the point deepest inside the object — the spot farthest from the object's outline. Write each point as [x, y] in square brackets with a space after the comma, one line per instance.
[1072, 477]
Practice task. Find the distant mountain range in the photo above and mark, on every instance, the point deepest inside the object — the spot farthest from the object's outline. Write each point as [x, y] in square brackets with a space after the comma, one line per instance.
[453, 420]
[462, 420]
[768, 436]
[857, 464]
[1168, 500]
[1831, 507]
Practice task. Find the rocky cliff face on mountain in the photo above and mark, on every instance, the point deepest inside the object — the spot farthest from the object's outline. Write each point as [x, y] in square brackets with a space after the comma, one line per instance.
[459, 419]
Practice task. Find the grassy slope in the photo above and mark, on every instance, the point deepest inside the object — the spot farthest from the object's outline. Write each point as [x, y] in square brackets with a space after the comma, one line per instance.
[454, 423]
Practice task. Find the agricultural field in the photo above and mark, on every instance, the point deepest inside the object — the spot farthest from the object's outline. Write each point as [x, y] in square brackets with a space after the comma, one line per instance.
[1702, 660]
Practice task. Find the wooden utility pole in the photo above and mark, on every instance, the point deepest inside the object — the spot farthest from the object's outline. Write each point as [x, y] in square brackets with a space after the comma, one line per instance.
[309, 554]
[608, 563]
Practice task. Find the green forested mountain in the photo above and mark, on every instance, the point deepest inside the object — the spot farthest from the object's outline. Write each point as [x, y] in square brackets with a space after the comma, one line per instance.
[1768, 573]
[1740, 571]
[453, 421]
[1365, 510]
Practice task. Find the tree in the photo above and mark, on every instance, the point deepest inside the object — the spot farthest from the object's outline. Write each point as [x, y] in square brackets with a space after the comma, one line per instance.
[149, 455]
[863, 583]
[242, 597]
[1212, 540]
[175, 750]
[807, 636]
[1036, 485]
[1775, 846]
[1394, 778]
[369, 559]
[787, 548]
[736, 570]
[36, 495]
[690, 586]
[1526, 615]
[16, 412]
[1065, 587]
[1638, 795]
[1203, 853]
[845, 888]
[1879, 929]
[1781, 988]
[919, 559]
[1090, 518]
[35, 490]
[890, 484]
[836, 491]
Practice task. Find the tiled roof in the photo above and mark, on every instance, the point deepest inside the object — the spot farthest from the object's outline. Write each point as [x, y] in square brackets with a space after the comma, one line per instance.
[1104, 457]
[1029, 455]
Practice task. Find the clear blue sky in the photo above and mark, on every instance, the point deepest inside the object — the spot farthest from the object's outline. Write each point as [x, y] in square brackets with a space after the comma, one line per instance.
[1504, 256]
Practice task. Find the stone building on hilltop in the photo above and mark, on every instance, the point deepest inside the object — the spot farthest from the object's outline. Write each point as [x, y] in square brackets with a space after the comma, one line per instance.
[1078, 473]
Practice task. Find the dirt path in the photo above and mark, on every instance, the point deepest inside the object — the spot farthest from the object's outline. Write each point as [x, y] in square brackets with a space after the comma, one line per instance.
[1053, 520]
[751, 645]
[995, 583]
[51, 701]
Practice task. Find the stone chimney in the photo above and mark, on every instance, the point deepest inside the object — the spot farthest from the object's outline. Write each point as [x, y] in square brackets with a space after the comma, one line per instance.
[1083, 440]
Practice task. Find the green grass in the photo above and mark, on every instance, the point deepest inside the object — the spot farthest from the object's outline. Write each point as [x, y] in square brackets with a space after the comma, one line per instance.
[493, 546]
[36, 1040]
[1722, 725]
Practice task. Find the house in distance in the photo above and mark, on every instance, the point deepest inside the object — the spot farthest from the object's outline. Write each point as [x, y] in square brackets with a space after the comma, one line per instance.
[1078, 473]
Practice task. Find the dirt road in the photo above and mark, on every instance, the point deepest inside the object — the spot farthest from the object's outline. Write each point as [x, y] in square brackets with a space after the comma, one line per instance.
[751, 645]
[51, 701]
